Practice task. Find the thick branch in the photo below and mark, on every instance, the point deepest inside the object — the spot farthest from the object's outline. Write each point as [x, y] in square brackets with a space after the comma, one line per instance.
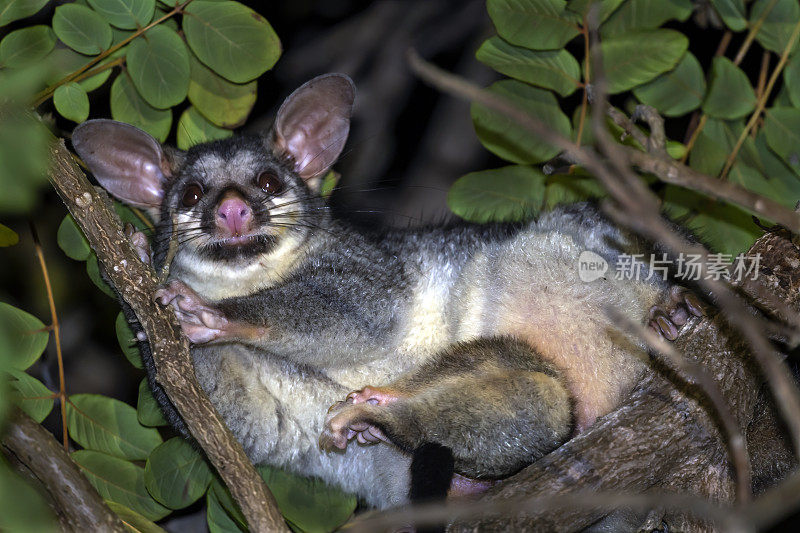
[136, 284]
[79, 506]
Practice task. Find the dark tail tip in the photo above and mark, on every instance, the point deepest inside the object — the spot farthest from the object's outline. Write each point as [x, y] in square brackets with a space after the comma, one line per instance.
[432, 467]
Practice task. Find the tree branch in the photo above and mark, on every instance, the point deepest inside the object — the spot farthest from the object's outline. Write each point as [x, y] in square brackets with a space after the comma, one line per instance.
[77, 502]
[136, 284]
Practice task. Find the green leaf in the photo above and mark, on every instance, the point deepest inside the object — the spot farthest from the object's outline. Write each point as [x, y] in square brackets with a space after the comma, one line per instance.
[110, 426]
[93, 271]
[23, 337]
[127, 342]
[119, 481]
[778, 24]
[125, 14]
[506, 194]
[158, 64]
[505, 138]
[782, 128]
[148, 412]
[645, 15]
[713, 145]
[732, 13]
[224, 103]
[193, 128]
[581, 7]
[675, 149]
[22, 509]
[730, 95]
[81, 29]
[308, 503]
[567, 189]
[556, 70]
[8, 237]
[784, 192]
[31, 395]
[71, 240]
[791, 80]
[536, 24]
[676, 92]
[72, 102]
[24, 145]
[127, 215]
[11, 10]
[22, 47]
[233, 40]
[219, 521]
[66, 61]
[725, 228]
[635, 58]
[176, 475]
[132, 520]
[224, 498]
[128, 106]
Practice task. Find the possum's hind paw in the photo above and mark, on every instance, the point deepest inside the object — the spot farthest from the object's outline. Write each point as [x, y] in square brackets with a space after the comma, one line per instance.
[373, 396]
[668, 322]
[346, 420]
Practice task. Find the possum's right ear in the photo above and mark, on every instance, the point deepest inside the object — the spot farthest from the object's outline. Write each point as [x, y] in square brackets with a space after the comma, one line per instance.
[128, 163]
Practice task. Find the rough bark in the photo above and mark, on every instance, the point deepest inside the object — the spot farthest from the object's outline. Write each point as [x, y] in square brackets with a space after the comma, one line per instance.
[136, 283]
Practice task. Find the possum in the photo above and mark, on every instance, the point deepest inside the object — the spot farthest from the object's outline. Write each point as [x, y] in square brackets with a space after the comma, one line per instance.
[349, 353]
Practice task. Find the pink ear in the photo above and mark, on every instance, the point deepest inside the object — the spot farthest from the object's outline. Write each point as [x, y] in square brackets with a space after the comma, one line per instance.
[313, 123]
[128, 163]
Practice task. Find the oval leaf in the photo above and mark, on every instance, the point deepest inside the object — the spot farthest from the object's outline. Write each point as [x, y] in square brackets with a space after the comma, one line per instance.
[81, 29]
[175, 474]
[31, 395]
[505, 137]
[128, 106]
[506, 194]
[72, 102]
[23, 337]
[224, 103]
[581, 7]
[158, 63]
[235, 41]
[645, 15]
[127, 342]
[119, 481]
[22, 47]
[635, 58]
[536, 24]
[125, 14]
[556, 70]
[676, 92]
[147, 411]
[110, 426]
[71, 240]
[93, 271]
[64, 61]
[730, 95]
[732, 13]
[567, 189]
[22, 508]
[782, 128]
[11, 10]
[779, 21]
[8, 237]
[791, 79]
[219, 521]
[223, 496]
[193, 128]
[310, 504]
[133, 520]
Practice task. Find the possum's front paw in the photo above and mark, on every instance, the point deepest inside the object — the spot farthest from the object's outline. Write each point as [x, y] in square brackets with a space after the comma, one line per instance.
[346, 420]
[200, 322]
[140, 243]
[667, 321]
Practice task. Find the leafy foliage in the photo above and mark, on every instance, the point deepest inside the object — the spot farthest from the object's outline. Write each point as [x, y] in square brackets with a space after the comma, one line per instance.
[648, 64]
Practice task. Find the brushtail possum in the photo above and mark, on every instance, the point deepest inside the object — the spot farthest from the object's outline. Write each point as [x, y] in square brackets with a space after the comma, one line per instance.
[336, 351]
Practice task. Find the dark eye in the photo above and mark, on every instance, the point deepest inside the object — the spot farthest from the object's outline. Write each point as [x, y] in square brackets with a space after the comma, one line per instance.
[270, 183]
[192, 195]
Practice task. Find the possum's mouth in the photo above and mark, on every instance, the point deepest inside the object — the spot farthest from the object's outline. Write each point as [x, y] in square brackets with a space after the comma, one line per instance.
[238, 247]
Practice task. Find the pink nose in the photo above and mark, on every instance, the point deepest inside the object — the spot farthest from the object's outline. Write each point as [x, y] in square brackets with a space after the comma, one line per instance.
[234, 215]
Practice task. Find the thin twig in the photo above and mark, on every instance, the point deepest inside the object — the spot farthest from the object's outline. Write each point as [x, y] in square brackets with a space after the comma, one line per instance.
[62, 384]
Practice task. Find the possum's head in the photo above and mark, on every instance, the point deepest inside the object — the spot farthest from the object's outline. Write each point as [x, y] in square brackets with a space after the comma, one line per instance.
[237, 203]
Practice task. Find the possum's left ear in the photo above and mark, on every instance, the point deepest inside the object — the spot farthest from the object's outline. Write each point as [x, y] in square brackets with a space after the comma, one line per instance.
[313, 122]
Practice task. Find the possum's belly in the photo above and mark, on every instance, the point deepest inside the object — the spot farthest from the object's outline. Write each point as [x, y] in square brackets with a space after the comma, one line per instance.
[276, 410]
